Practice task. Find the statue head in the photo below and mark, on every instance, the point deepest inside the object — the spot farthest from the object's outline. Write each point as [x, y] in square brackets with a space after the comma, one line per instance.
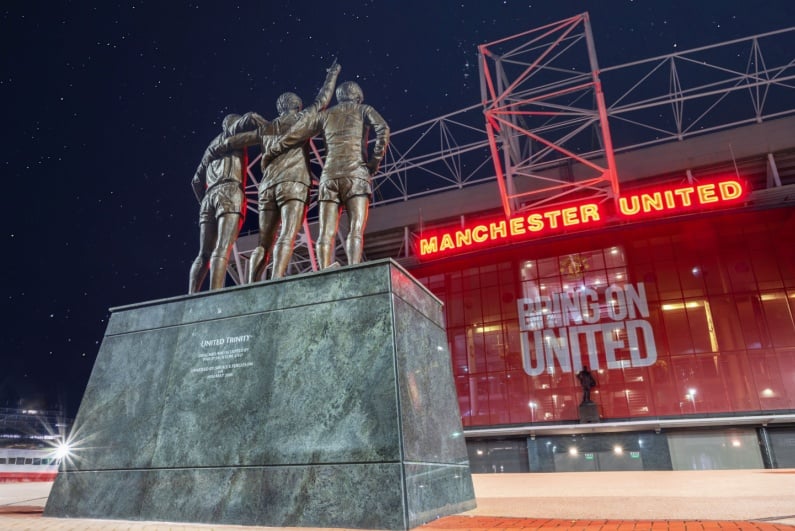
[229, 120]
[289, 101]
[350, 91]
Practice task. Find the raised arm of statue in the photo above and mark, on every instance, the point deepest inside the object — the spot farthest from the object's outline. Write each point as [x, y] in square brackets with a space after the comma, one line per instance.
[308, 124]
[326, 91]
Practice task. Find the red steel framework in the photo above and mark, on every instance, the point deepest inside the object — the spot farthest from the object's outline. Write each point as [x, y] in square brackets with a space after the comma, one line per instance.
[542, 102]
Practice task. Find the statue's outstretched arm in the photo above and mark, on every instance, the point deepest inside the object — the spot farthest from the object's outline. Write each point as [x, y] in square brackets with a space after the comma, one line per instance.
[327, 90]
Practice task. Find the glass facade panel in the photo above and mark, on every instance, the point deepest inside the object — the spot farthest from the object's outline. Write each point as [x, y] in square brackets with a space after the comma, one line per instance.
[685, 318]
[725, 450]
[613, 451]
[778, 317]
[782, 442]
[497, 456]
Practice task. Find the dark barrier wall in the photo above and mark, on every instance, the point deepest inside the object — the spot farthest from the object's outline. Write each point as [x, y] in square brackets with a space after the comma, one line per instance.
[675, 318]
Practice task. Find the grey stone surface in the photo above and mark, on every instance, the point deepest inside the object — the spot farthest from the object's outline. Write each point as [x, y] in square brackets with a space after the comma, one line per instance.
[279, 496]
[417, 296]
[433, 491]
[322, 400]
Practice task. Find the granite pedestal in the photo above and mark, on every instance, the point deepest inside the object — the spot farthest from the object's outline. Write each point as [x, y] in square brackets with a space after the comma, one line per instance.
[589, 412]
[319, 400]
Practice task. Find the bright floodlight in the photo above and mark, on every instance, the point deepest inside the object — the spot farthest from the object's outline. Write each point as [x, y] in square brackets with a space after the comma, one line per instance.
[62, 450]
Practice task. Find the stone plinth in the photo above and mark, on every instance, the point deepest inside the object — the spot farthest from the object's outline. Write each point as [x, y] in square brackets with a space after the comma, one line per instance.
[319, 400]
[589, 412]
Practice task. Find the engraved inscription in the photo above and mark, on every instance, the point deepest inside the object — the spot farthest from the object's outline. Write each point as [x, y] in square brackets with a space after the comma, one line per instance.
[221, 357]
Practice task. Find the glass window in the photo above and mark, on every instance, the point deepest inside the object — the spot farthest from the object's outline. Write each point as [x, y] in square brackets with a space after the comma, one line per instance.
[677, 328]
[786, 367]
[615, 257]
[738, 381]
[479, 400]
[766, 271]
[726, 322]
[521, 407]
[491, 305]
[702, 325]
[498, 398]
[661, 248]
[548, 267]
[496, 347]
[497, 456]
[462, 388]
[488, 276]
[767, 375]
[741, 275]
[454, 309]
[668, 280]
[459, 351]
[750, 312]
[782, 443]
[476, 350]
[715, 450]
[471, 279]
[779, 319]
[692, 279]
[473, 309]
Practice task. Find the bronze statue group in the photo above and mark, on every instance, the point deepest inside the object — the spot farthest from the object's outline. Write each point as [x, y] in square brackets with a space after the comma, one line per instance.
[283, 193]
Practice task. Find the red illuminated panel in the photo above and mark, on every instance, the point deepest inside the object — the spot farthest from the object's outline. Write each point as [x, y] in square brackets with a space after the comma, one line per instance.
[678, 199]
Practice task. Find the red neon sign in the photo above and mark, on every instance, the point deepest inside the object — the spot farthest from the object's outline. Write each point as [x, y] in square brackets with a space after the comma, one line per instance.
[656, 201]
[500, 230]
[677, 199]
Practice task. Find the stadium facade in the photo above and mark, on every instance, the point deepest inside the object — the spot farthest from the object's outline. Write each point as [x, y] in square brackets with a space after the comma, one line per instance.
[683, 309]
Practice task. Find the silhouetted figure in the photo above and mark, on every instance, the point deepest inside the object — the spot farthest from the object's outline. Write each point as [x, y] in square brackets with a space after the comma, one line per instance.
[588, 382]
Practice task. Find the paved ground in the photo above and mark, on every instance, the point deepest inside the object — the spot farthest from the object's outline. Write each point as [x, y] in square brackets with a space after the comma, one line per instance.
[762, 500]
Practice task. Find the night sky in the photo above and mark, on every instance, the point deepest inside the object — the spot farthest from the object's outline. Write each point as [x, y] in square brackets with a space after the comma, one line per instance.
[110, 106]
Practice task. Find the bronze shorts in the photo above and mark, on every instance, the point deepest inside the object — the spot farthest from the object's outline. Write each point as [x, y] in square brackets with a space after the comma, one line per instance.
[342, 189]
[221, 199]
[273, 197]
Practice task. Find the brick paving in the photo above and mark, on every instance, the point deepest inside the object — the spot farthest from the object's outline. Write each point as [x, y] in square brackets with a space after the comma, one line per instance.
[491, 523]
[746, 500]
[25, 517]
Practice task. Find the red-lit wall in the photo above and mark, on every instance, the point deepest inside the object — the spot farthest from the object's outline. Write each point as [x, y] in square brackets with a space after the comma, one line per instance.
[709, 302]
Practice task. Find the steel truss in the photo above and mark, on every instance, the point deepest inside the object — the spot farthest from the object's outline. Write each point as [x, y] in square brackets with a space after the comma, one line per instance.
[546, 116]
[544, 106]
